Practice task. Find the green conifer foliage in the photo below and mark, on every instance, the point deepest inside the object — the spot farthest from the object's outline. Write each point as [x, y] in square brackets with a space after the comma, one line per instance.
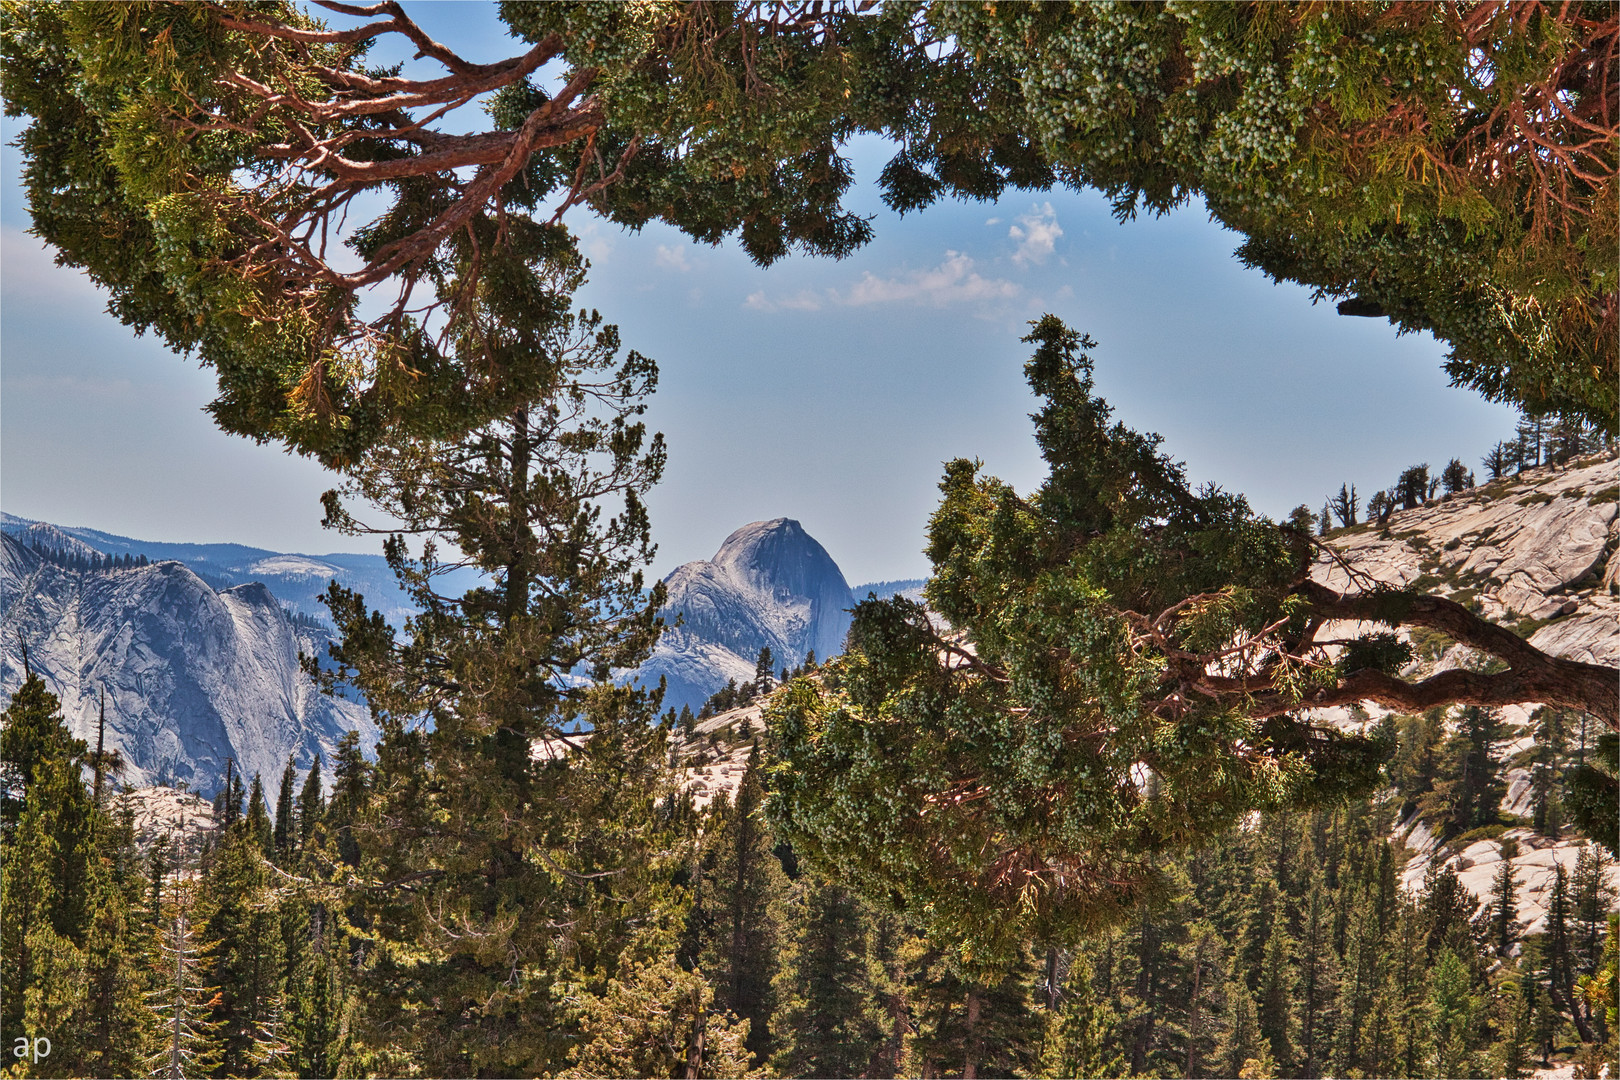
[258, 819]
[1318, 981]
[508, 862]
[1593, 899]
[1031, 730]
[351, 777]
[970, 1019]
[1280, 120]
[285, 834]
[829, 1020]
[1592, 794]
[656, 1019]
[1504, 907]
[247, 947]
[311, 803]
[49, 880]
[1467, 789]
[735, 928]
[1243, 1051]
[1080, 1031]
[184, 996]
[1454, 1016]
[1278, 985]
[1446, 908]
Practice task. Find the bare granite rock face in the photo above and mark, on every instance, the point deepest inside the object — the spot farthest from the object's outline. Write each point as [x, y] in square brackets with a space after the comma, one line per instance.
[1540, 552]
[709, 764]
[770, 584]
[1534, 869]
[166, 813]
[1541, 545]
[192, 676]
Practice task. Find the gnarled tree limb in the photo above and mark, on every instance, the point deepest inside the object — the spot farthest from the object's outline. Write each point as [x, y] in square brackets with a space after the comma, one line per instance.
[1531, 675]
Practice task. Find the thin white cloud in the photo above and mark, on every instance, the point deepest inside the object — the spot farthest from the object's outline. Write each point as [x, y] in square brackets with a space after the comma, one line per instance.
[1036, 234]
[804, 300]
[953, 282]
[671, 258]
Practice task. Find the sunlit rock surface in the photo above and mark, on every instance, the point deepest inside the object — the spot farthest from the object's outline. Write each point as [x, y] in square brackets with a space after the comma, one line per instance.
[770, 585]
[192, 676]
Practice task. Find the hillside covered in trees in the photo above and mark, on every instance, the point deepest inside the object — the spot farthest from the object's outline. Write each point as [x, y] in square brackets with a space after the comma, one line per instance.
[1297, 945]
[1451, 922]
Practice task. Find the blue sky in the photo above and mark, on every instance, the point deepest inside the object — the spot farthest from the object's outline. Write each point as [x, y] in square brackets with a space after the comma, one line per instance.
[830, 392]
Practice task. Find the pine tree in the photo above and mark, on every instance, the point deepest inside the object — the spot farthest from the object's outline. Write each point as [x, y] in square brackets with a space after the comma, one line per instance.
[763, 678]
[1278, 984]
[1514, 1048]
[1467, 789]
[247, 948]
[350, 780]
[1504, 908]
[1530, 430]
[1346, 505]
[182, 1000]
[1318, 979]
[258, 819]
[284, 837]
[970, 1020]
[1362, 974]
[313, 995]
[518, 884]
[1413, 486]
[1546, 805]
[228, 799]
[736, 930]
[656, 1019]
[829, 1021]
[1500, 461]
[1243, 1051]
[1201, 953]
[114, 1028]
[1454, 1016]
[1456, 477]
[48, 866]
[1593, 898]
[1446, 908]
[1079, 1031]
[310, 803]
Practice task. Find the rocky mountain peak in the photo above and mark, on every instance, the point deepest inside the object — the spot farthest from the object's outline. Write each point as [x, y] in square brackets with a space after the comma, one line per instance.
[770, 585]
[780, 557]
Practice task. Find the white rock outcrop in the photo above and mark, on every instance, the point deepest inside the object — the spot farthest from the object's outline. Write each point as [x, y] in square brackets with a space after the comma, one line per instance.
[1539, 546]
[192, 676]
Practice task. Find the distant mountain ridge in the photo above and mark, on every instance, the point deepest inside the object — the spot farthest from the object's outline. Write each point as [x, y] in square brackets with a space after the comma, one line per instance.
[296, 580]
[208, 666]
[192, 675]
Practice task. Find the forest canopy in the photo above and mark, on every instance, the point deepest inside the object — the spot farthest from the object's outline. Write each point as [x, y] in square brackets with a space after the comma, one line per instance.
[1451, 167]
